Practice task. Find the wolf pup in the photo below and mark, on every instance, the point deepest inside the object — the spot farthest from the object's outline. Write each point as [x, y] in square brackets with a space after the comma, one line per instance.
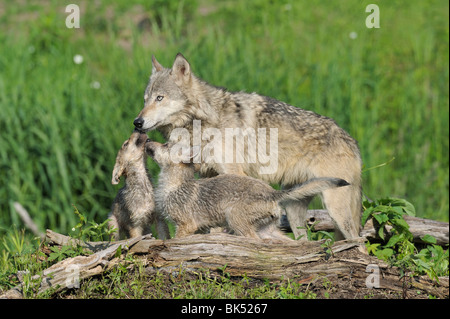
[308, 145]
[244, 205]
[133, 209]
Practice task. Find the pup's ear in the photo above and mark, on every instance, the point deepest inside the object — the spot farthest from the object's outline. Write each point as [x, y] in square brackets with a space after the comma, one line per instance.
[181, 68]
[156, 67]
[116, 174]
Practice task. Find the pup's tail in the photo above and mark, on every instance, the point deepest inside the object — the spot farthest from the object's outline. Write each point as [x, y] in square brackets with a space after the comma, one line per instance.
[311, 188]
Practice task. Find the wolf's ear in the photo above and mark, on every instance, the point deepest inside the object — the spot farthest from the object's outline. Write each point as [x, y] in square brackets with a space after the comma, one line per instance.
[156, 67]
[181, 68]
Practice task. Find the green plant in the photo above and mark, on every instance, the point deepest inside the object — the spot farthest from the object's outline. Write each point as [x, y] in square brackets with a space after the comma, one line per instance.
[84, 230]
[388, 212]
[60, 253]
[327, 237]
[397, 246]
[433, 260]
[15, 242]
[90, 230]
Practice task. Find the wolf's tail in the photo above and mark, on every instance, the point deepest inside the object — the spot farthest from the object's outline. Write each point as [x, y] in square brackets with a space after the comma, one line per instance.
[310, 188]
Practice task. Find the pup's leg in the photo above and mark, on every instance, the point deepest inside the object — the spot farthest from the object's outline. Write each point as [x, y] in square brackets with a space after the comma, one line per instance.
[136, 231]
[241, 221]
[184, 230]
[113, 224]
[272, 232]
[162, 228]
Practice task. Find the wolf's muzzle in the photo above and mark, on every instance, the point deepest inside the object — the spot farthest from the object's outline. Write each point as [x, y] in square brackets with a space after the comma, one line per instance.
[138, 122]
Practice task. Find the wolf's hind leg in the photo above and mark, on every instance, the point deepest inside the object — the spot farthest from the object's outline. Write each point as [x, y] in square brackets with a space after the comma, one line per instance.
[296, 215]
[344, 210]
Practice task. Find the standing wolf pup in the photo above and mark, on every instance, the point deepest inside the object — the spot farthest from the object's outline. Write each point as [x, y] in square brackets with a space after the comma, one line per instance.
[133, 209]
[246, 206]
[309, 145]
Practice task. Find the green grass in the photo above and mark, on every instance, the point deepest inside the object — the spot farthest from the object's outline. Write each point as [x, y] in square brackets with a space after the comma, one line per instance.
[59, 134]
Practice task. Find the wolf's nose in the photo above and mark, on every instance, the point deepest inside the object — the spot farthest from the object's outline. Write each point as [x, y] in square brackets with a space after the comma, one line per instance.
[138, 122]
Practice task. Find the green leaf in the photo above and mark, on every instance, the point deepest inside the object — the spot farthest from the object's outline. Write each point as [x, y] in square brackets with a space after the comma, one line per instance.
[52, 256]
[383, 208]
[381, 218]
[372, 248]
[409, 208]
[429, 239]
[400, 223]
[397, 210]
[366, 215]
[385, 253]
[394, 240]
[406, 206]
[118, 252]
[422, 264]
[381, 232]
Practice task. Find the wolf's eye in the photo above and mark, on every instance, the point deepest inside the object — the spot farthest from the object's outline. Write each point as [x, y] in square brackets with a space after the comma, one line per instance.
[159, 98]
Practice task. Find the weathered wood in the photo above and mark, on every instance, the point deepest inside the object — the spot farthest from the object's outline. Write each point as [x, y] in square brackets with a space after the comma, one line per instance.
[253, 258]
[54, 238]
[419, 227]
[303, 261]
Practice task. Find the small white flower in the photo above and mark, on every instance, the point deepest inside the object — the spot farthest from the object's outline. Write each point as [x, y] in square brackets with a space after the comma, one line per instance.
[73, 229]
[353, 35]
[78, 59]
[95, 85]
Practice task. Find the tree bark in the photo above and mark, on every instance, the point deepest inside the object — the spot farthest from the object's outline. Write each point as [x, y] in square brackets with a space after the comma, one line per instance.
[419, 227]
[219, 253]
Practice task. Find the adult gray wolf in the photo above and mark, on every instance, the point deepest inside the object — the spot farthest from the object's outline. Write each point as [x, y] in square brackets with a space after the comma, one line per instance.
[133, 210]
[242, 204]
[308, 145]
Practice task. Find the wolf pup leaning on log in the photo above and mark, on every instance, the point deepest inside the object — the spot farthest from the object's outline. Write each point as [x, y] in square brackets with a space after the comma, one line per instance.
[133, 210]
[244, 205]
[308, 145]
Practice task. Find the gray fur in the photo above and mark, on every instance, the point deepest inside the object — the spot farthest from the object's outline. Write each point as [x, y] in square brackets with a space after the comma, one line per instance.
[309, 145]
[245, 205]
[133, 210]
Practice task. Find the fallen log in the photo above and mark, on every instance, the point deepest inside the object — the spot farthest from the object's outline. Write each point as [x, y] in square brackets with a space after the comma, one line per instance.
[218, 253]
[300, 260]
[54, 238]
[419, 227]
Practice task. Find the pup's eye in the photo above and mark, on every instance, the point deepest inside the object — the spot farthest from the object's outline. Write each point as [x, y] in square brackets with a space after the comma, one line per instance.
[159, 98]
